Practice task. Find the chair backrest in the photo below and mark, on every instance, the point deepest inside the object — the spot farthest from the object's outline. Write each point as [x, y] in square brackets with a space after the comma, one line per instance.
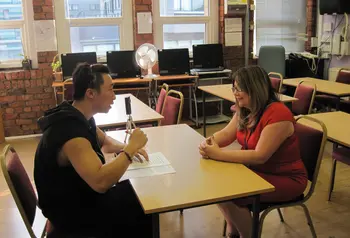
[306, 96]
[172, 108]
[20, 186]
[163, 92]
[68, 89]
[312, 141]
[273, 59]
[343, 76]
[276, 82]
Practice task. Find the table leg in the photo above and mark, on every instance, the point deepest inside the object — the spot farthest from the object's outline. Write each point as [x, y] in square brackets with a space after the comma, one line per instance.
[204, 117]
[152, 94]
[55, 92]
[155, 225]
[190, 100]
[256, 213]
[337, 106]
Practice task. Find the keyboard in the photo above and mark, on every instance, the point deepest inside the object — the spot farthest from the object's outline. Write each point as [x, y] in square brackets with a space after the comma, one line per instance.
[208, 69]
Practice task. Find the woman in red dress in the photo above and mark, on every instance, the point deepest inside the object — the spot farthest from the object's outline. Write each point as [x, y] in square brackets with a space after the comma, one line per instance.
[265, 129]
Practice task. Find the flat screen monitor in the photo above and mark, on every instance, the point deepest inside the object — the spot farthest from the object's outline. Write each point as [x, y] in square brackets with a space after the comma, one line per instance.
[71, 60]
[174, 61]
[122, 64]
[207, 56]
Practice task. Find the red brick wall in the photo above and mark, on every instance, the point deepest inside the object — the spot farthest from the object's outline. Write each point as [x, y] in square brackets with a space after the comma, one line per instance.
[311, 15]
[25, 95]
[43, 9]
[141, 6]
[139, 39]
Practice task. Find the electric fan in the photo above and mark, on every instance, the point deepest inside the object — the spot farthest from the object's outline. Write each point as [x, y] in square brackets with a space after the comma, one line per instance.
[146, 57]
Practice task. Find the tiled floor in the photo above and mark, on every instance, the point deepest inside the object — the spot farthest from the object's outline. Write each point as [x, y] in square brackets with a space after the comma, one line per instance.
[331, 219]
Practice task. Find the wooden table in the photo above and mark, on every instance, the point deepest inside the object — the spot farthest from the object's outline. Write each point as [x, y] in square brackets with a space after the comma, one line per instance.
[141, 113]
[225, 91]
[337, 124]
[324, 86]
[197, 182]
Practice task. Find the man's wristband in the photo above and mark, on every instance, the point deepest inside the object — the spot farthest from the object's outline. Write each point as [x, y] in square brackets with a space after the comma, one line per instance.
[127, 155]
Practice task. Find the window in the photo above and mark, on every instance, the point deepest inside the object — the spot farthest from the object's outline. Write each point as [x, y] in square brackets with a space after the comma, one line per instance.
[94, 7]
[15, 34]
[279, 22]
[73, 7]
[183, 23]
[94, 26]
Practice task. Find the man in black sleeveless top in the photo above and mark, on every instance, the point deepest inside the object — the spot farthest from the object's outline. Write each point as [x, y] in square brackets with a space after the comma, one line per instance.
[78, 192]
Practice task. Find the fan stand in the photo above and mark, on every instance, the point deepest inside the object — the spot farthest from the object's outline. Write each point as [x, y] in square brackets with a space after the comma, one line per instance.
[150, 73]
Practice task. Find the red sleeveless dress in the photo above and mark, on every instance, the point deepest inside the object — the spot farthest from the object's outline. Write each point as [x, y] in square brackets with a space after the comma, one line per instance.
[284, 169]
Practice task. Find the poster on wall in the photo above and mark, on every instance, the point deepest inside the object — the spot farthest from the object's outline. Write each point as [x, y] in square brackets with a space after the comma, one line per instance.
[45, 35]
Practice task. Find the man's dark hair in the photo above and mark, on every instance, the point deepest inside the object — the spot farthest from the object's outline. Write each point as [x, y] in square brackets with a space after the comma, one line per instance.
[87, 76]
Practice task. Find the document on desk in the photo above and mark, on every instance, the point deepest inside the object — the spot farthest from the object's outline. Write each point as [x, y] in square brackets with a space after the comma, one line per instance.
[156, 165]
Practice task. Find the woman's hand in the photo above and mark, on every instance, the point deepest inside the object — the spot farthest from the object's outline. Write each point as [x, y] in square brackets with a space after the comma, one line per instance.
[209, 148]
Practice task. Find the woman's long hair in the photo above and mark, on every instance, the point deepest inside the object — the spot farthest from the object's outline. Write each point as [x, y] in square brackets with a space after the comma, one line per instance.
[256, 83]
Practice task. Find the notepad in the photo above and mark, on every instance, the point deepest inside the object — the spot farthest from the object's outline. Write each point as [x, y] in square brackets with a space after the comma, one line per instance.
[155, 160]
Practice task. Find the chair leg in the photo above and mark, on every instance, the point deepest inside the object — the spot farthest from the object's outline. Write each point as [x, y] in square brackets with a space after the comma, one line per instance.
[181, 212]
[261, 220]
[331, 184]
[309, 220]
[280, 214]
[224, 230]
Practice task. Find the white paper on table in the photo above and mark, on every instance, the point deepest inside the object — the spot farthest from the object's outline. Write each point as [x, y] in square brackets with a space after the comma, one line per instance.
[233, 39]
[155, 160]
[144, 23]
[148, 172]
[157, 165]
[233, 25]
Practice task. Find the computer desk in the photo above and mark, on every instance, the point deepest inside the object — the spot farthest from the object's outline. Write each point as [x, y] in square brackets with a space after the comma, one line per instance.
[151, 84]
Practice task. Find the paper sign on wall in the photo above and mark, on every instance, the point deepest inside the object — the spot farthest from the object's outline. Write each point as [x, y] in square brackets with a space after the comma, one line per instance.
[45, 35]
[144, 23]
[233, 39]
[233, 24]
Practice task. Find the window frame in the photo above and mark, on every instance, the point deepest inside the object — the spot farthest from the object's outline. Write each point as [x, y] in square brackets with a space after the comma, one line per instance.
[63, 24]
[211, 22]
[26, 27]
[255, 52]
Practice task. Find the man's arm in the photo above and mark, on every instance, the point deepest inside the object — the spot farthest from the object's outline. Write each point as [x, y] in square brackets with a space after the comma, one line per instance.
[100, 177]
[108, 144]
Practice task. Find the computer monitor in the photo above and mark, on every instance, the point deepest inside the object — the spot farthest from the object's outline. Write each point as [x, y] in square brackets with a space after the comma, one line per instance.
[207, 56]
[122, 64]
[71, 60]
[174, 61]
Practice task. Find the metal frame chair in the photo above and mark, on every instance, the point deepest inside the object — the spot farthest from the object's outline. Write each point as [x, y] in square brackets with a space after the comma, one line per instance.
[302, 199]
[181, 97]
[166, 88]
[280, 77]
[3, 160]
[65, 83]
[312, 100]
